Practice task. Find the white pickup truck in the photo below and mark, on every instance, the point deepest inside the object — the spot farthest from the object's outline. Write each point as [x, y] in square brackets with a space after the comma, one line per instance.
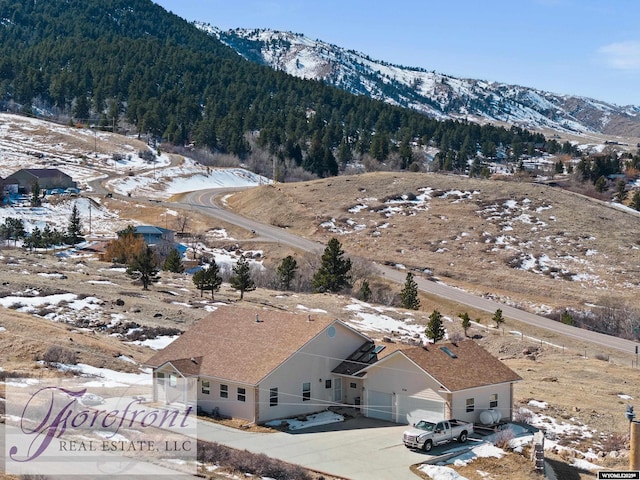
[425, 435]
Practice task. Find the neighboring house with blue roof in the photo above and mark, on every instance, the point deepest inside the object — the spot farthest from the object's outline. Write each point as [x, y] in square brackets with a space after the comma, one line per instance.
[153, 235]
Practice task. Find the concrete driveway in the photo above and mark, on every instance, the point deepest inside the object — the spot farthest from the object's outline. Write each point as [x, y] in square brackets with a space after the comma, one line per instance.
[359, 448]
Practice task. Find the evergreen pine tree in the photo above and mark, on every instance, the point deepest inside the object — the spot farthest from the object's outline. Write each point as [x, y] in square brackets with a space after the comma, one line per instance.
[287, 271]
[36, 237]
[208, 278]
[13, 229]
[621, 192]
[241, 278]
[567, 318]
[74, 227]
[144, 267]
[365, 292]
[498, 318]
[601, 184]
[173, 262]
[333, 274]
[635, 201]
[36, 201]
[466, 322]
[47, 236]
[409, 294]
[435, 329]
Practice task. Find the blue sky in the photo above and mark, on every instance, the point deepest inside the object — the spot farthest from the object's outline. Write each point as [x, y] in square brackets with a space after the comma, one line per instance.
[582, 47]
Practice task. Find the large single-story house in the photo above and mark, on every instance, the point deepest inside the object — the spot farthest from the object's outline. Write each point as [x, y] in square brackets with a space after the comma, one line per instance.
[47, 178]
[259, 365]
[152, 235]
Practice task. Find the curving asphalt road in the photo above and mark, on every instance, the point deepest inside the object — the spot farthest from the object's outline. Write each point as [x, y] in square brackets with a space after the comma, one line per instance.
[205, 202]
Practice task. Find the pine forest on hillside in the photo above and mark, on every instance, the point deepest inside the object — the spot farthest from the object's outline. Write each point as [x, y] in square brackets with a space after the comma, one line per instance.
[130, 64]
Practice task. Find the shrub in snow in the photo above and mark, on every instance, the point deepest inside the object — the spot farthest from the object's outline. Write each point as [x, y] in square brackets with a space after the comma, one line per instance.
[58, 354]
[147, 155]
[502, 438]
[523, 415]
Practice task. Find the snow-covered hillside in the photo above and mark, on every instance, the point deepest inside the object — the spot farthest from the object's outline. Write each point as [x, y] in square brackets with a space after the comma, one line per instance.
[88, 155]
[434, 94]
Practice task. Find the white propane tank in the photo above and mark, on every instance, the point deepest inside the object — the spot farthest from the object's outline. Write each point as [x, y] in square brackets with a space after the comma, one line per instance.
[496, 415]
[489, 417]
[486, 417]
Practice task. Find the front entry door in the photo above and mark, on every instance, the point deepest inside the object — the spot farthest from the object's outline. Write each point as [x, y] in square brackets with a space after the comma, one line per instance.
[337, 389]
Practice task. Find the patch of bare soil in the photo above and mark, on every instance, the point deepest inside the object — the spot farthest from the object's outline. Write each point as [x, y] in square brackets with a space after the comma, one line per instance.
[526, 244]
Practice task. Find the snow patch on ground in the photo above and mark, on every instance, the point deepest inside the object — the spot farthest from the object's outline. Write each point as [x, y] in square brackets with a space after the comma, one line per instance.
[322, 418]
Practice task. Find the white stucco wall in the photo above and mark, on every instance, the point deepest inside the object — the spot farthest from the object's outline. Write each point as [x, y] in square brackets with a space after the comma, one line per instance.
[230, 406]
[398, 375]
[481, 396]
[313, 363]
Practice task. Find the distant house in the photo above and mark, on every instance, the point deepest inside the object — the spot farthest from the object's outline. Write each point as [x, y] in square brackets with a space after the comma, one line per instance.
[47, 179]
[261, 365]
[153, 235]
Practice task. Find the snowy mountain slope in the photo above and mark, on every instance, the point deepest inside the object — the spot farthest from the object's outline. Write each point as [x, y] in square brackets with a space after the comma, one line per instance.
[432, 93]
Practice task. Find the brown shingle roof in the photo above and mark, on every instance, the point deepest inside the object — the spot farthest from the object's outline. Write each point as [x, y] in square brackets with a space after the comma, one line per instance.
[472, 367]
[233, 346]
[188, 366]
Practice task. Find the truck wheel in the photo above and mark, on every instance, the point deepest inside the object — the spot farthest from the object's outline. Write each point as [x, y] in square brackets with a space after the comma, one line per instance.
[427, 445]
[463, 437]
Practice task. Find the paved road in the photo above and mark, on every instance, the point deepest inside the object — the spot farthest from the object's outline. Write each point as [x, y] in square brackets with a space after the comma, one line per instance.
[205, 202]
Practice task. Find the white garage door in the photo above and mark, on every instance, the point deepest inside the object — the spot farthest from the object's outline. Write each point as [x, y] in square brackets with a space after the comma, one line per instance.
[414, 409]
[379, 405]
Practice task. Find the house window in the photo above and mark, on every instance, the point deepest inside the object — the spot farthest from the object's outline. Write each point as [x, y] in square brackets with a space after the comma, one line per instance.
[224, 391]
[493, 400]
[471, 405]
[353, 385]
[242, 394]
[273, 397]
[173, 381]
[160, 377]
[306, 391]
[327, 383]
[205, 387]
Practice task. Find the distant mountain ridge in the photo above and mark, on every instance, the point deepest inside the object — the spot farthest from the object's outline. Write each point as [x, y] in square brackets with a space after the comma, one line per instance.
[437, 95]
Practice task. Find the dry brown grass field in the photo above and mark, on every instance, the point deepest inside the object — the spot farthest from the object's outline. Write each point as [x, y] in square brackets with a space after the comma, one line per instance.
[477, 234]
